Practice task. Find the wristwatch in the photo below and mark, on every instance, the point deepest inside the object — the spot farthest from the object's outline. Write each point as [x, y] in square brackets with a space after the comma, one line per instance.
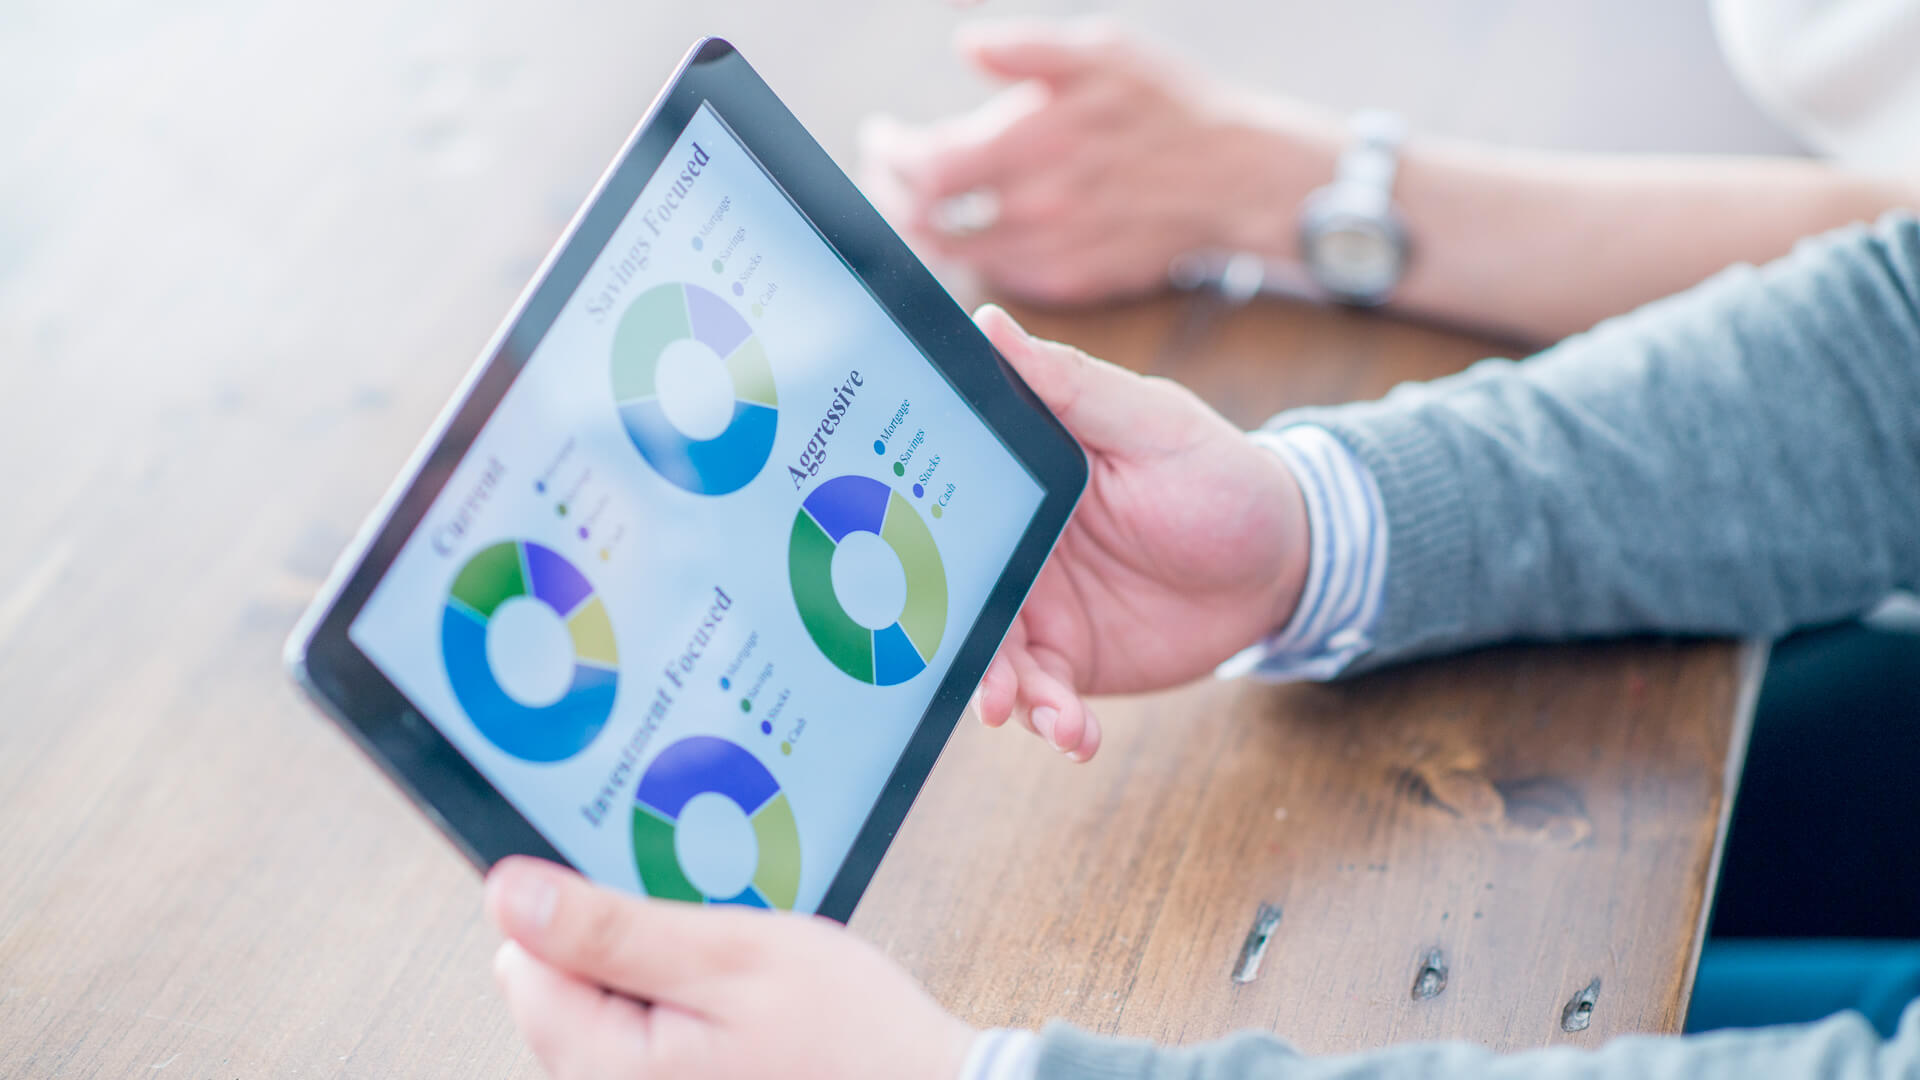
[1351, 236]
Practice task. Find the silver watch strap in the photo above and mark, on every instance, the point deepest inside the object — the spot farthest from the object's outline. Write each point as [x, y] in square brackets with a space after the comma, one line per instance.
[1375, 154]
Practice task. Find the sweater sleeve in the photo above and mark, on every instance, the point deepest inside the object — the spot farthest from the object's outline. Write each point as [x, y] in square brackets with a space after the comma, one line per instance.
[1736, 460]
[1842, 1047]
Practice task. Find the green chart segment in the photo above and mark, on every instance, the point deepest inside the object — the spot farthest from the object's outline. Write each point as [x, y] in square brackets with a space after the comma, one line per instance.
[894, 653]
[702, 765]
[658, 318]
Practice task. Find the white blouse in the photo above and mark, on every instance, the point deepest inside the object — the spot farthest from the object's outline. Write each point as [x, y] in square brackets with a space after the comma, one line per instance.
[1843, 75]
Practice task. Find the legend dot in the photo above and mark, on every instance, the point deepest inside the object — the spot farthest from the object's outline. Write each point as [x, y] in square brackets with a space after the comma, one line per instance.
[879, 447]
[539, 487]
[757, 309]
[583, 532]
[766, 727]
[786, 748]
[726, 683]
[719, 267]
[698, 243]
[918, 491]
[739, 289]
[605, 554]
[746, 705]
[899, 469]
[561, 509]
[936, 509]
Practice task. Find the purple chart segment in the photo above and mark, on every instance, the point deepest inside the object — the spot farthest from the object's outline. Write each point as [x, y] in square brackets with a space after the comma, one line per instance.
[703, 763]
[555, 581]
[715, 323]
[847, 504]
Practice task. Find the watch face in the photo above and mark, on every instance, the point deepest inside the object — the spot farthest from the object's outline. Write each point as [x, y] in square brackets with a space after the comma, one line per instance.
[1356, 258]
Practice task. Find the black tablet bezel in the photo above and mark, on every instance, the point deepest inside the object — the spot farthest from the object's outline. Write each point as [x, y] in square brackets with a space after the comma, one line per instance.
[448, 788]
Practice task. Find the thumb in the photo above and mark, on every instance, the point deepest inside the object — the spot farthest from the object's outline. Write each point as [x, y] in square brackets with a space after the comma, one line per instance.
[1048, 50]
[657, 951]
[1105, 406]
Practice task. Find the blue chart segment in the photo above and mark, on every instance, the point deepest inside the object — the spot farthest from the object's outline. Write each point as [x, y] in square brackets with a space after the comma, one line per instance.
[508, 571]
[896, 652]
[700, 765]
[657, 319]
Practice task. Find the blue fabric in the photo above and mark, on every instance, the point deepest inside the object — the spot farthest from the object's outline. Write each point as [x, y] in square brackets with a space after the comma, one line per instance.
[1748, 983]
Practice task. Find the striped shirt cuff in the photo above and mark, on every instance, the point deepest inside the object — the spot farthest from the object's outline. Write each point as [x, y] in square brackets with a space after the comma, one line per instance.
[1346, 564]
[1001, 1054]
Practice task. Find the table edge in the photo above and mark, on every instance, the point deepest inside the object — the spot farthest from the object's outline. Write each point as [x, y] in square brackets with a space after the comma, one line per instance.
[1751, 669]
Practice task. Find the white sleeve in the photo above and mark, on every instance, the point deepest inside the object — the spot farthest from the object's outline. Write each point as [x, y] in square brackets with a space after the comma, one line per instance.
[1346, 563]
[1001, 1054]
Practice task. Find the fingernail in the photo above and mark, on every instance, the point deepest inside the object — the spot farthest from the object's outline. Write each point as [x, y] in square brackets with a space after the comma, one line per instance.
[1044, 718]
[530, 900]
[507, 959]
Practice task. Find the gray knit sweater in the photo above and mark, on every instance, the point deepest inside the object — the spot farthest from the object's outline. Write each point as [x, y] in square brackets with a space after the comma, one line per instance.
[1739, 459]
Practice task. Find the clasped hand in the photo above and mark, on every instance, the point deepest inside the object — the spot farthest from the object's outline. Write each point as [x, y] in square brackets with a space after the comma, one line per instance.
[1102, 159]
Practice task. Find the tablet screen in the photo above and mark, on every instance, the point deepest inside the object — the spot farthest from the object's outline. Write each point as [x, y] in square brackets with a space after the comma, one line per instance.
[688, 594]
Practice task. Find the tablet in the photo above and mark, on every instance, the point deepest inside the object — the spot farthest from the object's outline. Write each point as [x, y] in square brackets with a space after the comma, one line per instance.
[690, 582]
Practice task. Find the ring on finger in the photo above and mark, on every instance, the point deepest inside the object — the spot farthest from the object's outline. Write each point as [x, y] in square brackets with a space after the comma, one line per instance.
[967, 213]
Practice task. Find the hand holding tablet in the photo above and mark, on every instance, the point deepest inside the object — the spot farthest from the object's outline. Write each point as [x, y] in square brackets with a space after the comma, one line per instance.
[690, 583]
[1190, 544]
[727, 992]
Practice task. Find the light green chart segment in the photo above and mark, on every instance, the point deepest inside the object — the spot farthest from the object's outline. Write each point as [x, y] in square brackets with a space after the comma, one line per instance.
[924, 617]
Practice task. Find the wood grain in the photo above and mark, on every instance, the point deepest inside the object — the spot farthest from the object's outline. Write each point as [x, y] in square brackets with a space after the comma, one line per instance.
[1543, 816]
[246, 252]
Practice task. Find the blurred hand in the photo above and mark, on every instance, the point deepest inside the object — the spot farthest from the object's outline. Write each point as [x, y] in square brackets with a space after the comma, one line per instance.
[602, 984]
[1100, 163]
[1190, 544]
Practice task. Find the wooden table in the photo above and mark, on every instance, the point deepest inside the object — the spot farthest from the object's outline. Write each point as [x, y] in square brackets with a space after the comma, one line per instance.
[244, 255]
[1542, 817]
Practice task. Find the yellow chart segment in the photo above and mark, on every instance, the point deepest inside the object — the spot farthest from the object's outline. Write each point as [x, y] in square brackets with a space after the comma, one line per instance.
[778, 877]
[752, 375]
[924, 617]
[592, 634]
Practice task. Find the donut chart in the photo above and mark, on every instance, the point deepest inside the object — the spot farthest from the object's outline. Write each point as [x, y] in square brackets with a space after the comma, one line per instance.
[892, 654]
[540, 733]
[658, 318]
[700, 765]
